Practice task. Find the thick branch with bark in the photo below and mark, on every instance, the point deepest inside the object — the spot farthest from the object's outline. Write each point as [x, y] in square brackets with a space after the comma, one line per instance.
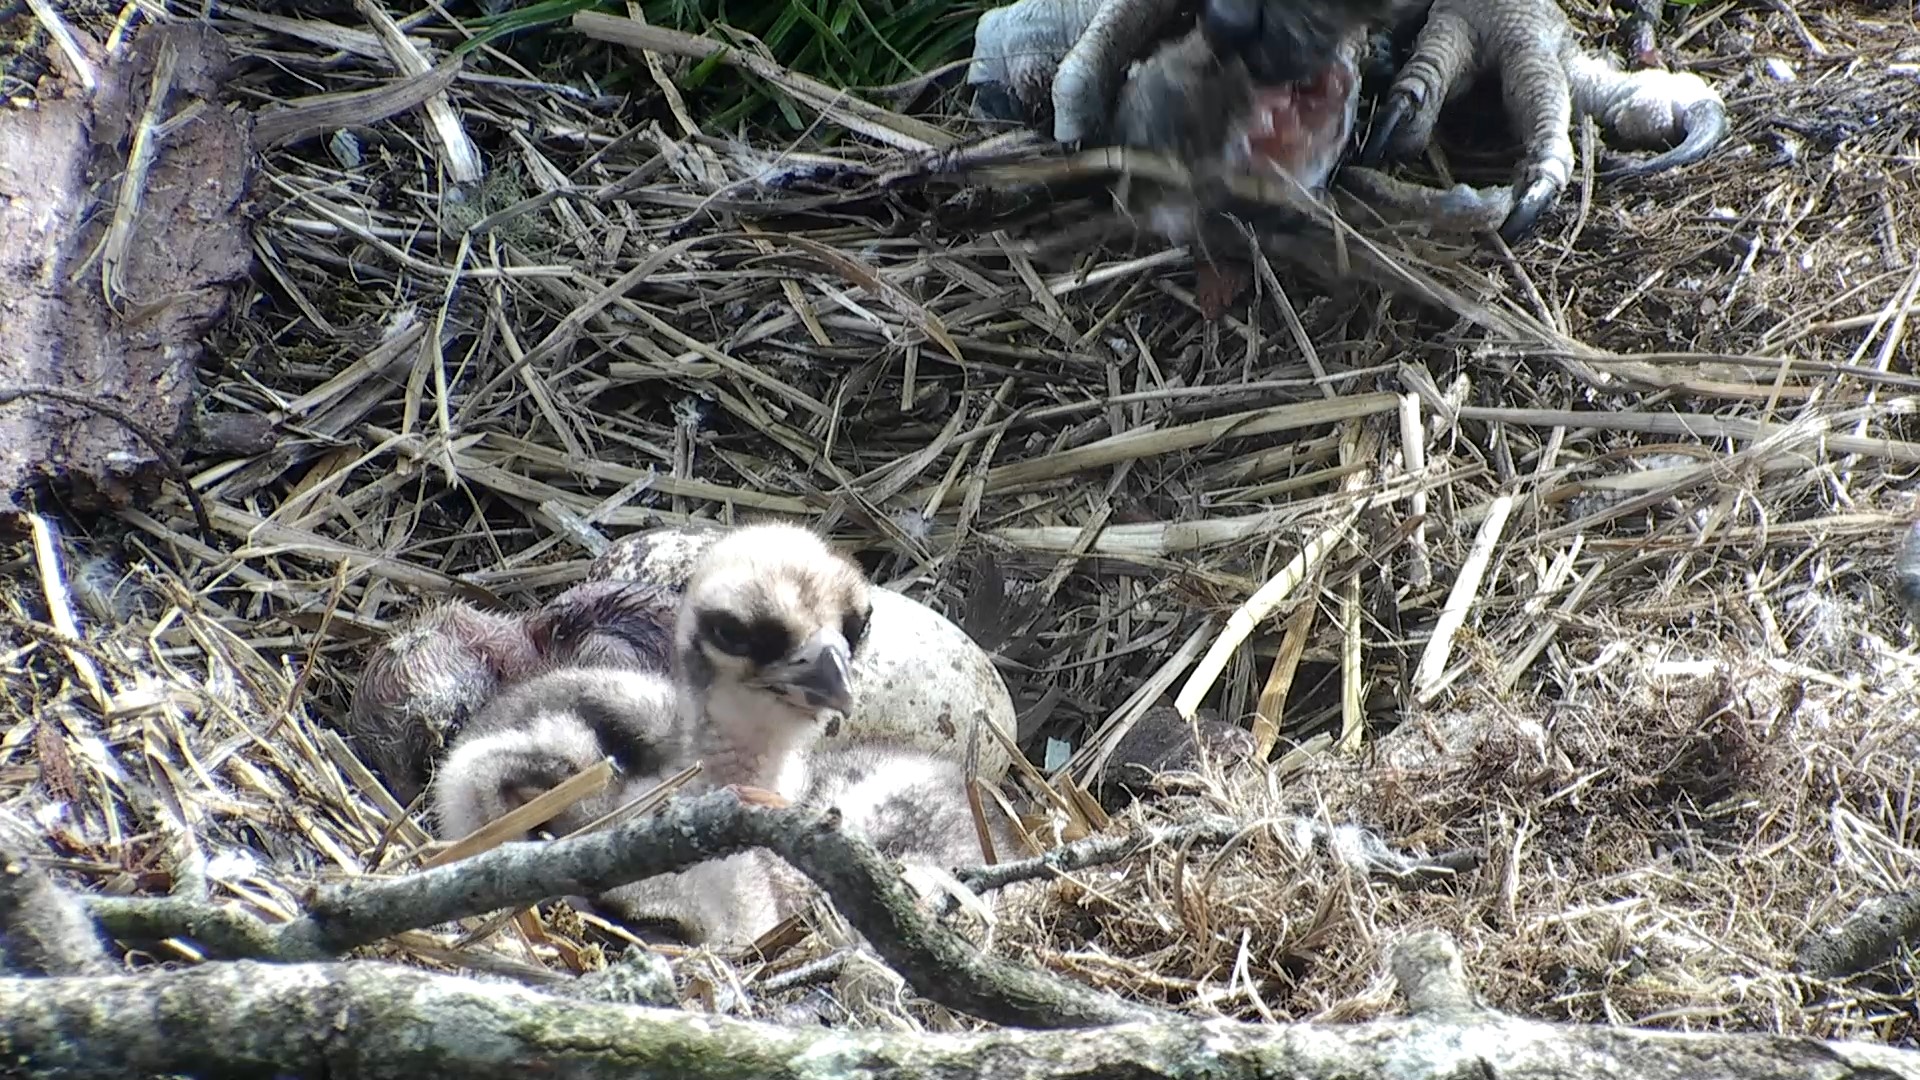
[43, 929]
[124, 231]
[1868, 938]
[937, 962]
[376, 1021]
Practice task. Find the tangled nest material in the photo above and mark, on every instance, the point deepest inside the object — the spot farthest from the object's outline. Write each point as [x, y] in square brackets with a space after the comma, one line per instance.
[1678, 720]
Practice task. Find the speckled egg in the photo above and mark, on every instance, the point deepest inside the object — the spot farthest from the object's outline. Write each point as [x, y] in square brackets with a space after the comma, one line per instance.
[919, 679]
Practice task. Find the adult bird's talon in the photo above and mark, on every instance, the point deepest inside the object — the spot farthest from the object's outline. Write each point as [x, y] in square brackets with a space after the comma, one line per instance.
[996, 101]
[1386, 124]
[1527, 210]
[1091, 70]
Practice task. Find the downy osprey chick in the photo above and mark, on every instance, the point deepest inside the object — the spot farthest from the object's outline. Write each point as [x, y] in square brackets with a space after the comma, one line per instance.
[909, 804]
[764, 649]
[768, 630]
[423, 684]
[919, 679]
[542, 731]
[623, 624]
[771, 626]
[551, 727]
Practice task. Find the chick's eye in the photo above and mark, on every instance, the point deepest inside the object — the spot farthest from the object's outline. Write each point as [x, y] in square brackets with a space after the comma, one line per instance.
[854, 626]
[727, 633]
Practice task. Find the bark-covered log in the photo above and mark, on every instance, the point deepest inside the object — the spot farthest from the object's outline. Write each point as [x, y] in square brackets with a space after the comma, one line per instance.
[124, 226]
[375, 1021]
[1868, 938]
[43, 929]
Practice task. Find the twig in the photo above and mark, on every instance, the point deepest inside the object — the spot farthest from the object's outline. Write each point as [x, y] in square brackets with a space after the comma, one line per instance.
[1350, 844]
[1433, 662]
[223, 929]
[813, 971]
[1256, 608]
[937, 962]
[1092, 851]
[69, 45]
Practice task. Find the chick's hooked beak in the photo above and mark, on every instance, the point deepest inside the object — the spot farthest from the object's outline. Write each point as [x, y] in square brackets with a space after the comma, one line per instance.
[817, 675]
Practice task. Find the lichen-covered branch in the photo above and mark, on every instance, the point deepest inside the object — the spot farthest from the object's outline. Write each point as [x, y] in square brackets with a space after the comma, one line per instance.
[938, 963]
[43, 929]
[376, 1021]
[1866, 939]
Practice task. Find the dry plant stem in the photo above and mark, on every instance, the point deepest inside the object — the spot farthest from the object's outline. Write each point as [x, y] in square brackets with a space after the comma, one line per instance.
[376, 1021]
[902, 132]
[69, 46]
[533, 813]
[324, 113]
[458, 154]
[938, 963]
[1255, 610]
[53, 584]
[1466, 587]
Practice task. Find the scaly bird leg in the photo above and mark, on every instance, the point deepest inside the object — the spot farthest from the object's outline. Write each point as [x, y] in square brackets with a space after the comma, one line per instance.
[1547, 79]
[1017, 53]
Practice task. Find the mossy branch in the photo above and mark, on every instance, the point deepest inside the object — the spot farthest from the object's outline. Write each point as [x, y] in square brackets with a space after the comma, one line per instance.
[937, 962]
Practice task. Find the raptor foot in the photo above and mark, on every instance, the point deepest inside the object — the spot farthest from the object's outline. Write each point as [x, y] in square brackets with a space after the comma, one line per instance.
[1018, 50]
[1548, 80]
[1258, 85]
[1254, 91]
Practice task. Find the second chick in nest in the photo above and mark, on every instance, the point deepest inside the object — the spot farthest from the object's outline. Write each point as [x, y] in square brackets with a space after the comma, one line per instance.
[545, 730]
[909, 804]
[555, 725]
[441, 668]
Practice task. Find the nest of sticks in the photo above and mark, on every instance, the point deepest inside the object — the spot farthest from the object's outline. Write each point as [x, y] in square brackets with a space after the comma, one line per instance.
[1591, 556]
